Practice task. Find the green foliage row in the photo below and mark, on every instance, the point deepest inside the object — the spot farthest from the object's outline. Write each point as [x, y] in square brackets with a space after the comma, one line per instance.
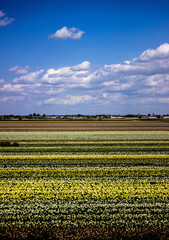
[54, 162]
[128, 213]
[93, 144]
[38, 174]
[84, 150]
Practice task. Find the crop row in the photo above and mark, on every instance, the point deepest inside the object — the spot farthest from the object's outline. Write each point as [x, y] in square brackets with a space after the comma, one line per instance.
[93, 143]
[81, 213]
[84, 136]
[84, 189]
[90, 144]
[85, 173]
[83, 161]
[83, 150]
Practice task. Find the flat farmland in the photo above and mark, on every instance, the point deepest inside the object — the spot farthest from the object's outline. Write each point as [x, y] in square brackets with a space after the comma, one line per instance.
[83, 125]
[84, 184]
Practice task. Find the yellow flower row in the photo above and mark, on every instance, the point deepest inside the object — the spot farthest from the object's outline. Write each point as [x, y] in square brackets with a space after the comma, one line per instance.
[81, 157]
[84, 190]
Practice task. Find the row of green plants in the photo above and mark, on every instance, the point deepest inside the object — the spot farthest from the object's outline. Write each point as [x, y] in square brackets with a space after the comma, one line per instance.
[126, 213]
[55, 162]
[38, 174]
[78, 144]
[85, 151]
[83, 148]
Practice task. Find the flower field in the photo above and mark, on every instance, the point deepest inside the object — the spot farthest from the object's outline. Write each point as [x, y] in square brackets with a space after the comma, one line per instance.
[85, 136]
[90, 185]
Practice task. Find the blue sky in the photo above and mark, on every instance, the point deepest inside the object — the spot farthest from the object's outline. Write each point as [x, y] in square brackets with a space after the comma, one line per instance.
[89, 57]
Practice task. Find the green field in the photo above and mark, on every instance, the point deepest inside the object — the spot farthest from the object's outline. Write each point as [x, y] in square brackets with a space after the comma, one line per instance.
[84, 185]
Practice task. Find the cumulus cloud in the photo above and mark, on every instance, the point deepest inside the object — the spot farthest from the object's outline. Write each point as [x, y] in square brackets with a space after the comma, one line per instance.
[29, 77]
[70, 100]
[64, 33]
[150, 69]
[142, 80]
[150, 62]
[161, 52]
[18, 70]
[75, 76]
[82, 66]
[4, 21]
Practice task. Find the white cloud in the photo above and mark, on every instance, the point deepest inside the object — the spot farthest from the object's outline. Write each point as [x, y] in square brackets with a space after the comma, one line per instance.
[12, 98]
[19, 70]
[161, 52]
[64, 33]
[75, 76]
[11, 88]
[21, 89]
[53, 91]
[82, 66]
[29, 77]
[70, 100]
[133, 79]
[131, 83]
[4, 21]
[138, 74]
[149, 62]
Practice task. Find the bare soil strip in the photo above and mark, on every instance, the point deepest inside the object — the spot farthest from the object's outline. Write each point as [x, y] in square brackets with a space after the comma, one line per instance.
[84, 126]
